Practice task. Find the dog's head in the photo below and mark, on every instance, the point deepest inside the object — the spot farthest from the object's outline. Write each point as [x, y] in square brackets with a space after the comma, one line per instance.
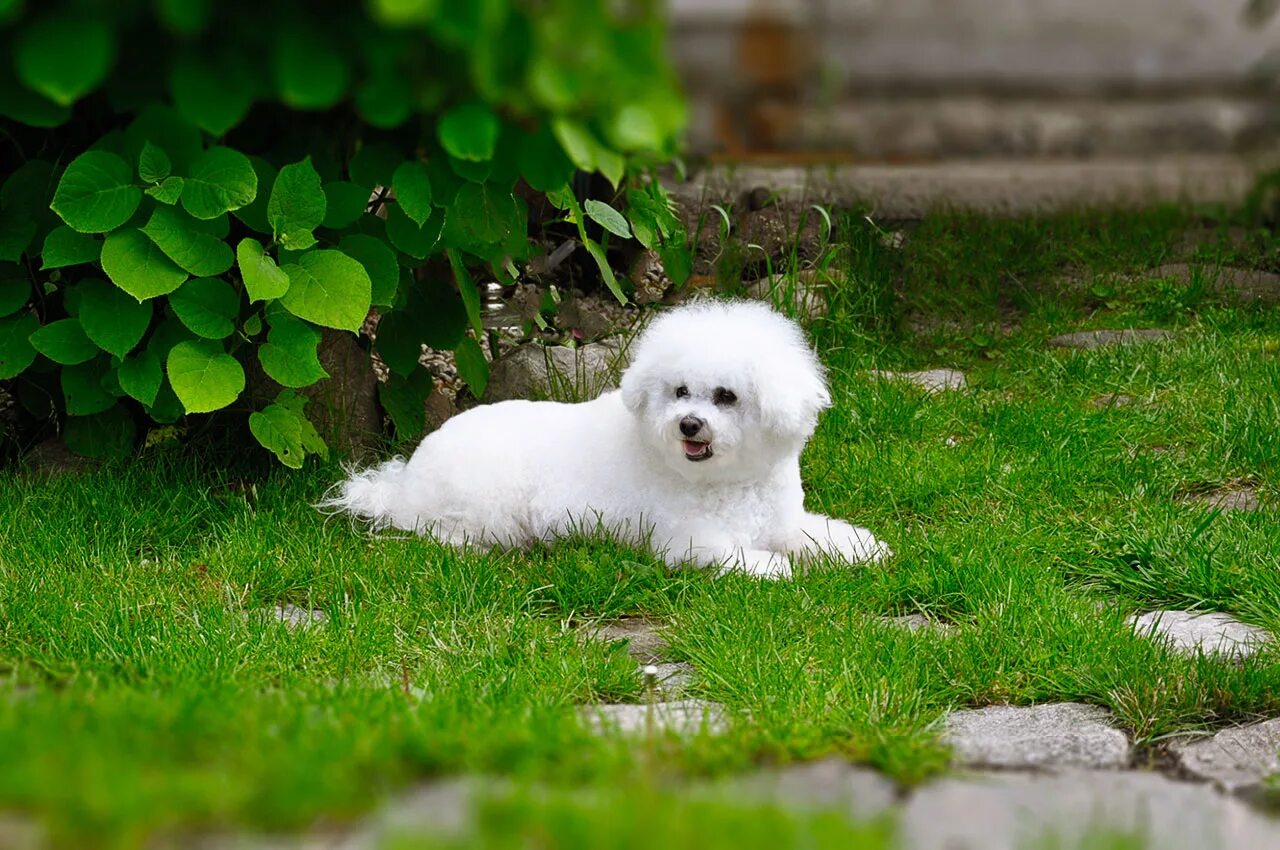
[724, 390]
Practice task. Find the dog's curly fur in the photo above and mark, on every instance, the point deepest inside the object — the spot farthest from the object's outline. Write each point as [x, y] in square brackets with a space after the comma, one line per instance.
[696, 455]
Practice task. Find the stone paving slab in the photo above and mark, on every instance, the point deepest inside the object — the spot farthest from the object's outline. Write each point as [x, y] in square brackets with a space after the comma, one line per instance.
[1245, 284]
[1191, 632]
[294, 617]
[918, 622]
[1053, 736]
[683, 717]
[993, 186]
[645, 642]
[930, 380]
[1229, 499]
[1012, 811]
[1236, 760]
[831, 783]
[1085, 340]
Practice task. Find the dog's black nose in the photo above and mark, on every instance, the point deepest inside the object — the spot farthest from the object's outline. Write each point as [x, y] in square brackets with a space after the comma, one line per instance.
[691, 425]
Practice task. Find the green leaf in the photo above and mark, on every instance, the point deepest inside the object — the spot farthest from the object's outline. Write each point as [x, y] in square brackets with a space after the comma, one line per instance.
[469, 131]
[96, 193]
[328, 288]
[65, 342]
[252, 326]
[82, 387]
[405, 399]
[109, 435]
[138, 266]
[153, 164]
[204, 377]
[606, 272]
[543, 163]
[608, 218]
[413, 191]
[586, 151]
[399, 342]
[16, 231]
[385, 101]
[207, 306]
[64, 57]
[188, 242]
[16, 350]
[373, 165]
[21, 104]
[677, 262]
[284, 430]
[400, 13]
[167, 191]
[472, 367]
[438, 311]
[214, 99]
[417, 242]
[289, 354]
[344, 204]
[27, 189]
[379, 261]
[163, 127]
[66, 247]
[221, 179]
[309, 73]
[113, 319]
[263, 279]
[15, 289]
[467, 289]
[140, 376]
[297, 204]
[254, 215]
[483, 213]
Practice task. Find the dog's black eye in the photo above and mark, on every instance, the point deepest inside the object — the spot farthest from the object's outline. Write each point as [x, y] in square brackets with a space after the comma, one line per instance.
[724, 397]
[682, 391]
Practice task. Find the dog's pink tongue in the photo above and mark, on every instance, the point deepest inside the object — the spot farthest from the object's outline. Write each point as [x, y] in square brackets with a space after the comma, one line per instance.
[693, 447]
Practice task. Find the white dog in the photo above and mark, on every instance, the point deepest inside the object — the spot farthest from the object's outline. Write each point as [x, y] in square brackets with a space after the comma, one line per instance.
[697, 455]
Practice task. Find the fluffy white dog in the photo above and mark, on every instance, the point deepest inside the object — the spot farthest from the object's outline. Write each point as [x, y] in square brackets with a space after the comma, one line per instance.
[696, 456]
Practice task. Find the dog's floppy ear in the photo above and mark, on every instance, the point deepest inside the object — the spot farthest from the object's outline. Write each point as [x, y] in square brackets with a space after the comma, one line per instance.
[791, 390]
[634, 386]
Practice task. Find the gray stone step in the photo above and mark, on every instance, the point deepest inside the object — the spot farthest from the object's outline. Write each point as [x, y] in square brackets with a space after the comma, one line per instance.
[1055, 736]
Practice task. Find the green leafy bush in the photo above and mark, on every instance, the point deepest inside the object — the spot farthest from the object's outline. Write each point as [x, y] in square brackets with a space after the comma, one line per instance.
[195, 193]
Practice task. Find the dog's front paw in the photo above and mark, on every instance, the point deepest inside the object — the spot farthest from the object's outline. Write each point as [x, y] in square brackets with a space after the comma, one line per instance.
[838, 539]
[758, 563]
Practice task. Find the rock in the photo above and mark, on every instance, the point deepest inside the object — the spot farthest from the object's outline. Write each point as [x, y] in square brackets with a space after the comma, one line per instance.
[343, 407]
[1228, 499]
[649, 278]
[682, 717]
[295, 617]
[1104, 402]
[1099, 339]
[1052, 736]
[535, 371]
[916, 622]
[800, 295]
[831, 783]
[1190, 632]
[587, 318]
[1236, 760]
[644, 641]
[52, 457]
[930, 380]
[439, 408]
[1244, 284]
[1011, 811]
[672, 679]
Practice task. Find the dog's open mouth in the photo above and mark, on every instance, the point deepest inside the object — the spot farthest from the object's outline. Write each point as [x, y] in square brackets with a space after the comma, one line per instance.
[697, 450]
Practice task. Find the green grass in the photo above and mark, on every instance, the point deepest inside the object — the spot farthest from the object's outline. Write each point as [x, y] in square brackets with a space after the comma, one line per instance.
[144, 695]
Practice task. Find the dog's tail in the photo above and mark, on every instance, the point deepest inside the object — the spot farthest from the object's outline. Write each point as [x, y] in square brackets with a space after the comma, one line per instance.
[374, 495]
